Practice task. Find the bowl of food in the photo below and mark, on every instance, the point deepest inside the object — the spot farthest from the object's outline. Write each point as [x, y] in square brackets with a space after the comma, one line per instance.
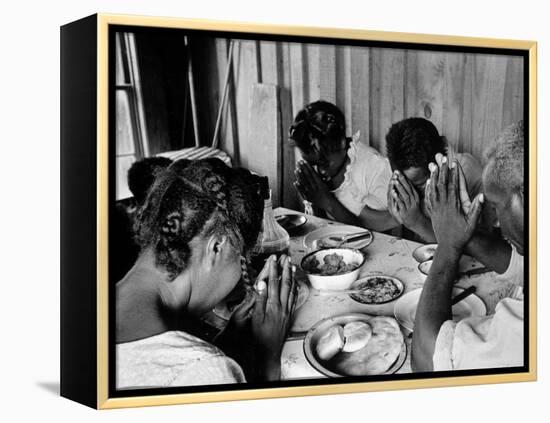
[355, 344]
[333, 268]
[377, 289]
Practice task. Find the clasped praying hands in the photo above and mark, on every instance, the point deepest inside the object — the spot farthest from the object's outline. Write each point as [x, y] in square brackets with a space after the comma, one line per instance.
[454, 216]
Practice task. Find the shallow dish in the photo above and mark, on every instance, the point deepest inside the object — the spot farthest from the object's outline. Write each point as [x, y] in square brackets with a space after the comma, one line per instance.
[291, 222]
[465, 264]
[315, 239]
[425, 267]
[317, 331]
[372, 294]
[424, 252]
[335, 281]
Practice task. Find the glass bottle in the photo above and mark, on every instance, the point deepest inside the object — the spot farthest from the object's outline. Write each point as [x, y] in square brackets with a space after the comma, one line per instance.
[273, 238]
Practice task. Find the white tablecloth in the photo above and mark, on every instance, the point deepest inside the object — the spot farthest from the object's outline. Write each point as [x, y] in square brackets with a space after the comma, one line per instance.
[386, 255]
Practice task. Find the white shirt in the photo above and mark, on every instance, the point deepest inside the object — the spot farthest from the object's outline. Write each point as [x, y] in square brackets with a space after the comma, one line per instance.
[482, 342]
[514, 272]
[488, 341]
[366, 180]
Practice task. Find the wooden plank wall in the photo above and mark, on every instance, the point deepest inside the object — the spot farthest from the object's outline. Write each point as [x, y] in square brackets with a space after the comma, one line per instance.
[469, 97]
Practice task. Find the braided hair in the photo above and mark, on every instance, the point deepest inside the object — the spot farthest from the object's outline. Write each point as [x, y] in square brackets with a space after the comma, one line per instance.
[198, 199]
[142, 174]
[319, 125]
[413, 142]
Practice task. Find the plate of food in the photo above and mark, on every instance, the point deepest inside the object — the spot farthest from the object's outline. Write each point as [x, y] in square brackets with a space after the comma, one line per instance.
[333, 268]
[355, 345]
[377, 289]
[333, 236]
[405, 308]
[291, 222]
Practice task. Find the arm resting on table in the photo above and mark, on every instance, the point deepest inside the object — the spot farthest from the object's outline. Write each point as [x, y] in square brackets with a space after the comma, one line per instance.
[434, 307]
[377, 220]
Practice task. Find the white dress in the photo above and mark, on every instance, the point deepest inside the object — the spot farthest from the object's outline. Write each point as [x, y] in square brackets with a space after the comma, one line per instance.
[366, 180]
[173, 358]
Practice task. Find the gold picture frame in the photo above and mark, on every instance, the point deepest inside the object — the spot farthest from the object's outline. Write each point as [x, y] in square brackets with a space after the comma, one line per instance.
[98, 27]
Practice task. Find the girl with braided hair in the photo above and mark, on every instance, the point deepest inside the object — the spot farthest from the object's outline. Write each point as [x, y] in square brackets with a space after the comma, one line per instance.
[197, 222]
[340, 176]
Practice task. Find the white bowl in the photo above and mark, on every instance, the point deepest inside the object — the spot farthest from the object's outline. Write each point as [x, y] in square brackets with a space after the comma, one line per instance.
[334, 282]
[424, 252]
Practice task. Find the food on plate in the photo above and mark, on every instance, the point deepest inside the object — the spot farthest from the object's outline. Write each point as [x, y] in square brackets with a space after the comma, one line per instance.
[333, 264]
[379, 354]
[376, 290]
[333, 259]
[356, 336]
[330, 343]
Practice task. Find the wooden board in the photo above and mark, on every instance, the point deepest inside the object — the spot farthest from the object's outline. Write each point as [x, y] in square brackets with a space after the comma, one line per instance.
[453, 99]
[297, 76]
[469, 97]
[327, 73]
[288, 197]
[360, 92]
[387, 93]
[313, 76]
[245, 75]
[466, 140]
[264, 153]
[513, 91]
[490, 79]
[429, 87]
[269, 62]
[343, 84]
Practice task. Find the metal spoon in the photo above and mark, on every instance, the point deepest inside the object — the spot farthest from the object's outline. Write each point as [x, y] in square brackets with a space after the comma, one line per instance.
[350, 238]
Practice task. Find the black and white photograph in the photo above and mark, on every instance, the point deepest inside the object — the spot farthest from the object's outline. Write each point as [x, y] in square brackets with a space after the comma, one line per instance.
[293, 211]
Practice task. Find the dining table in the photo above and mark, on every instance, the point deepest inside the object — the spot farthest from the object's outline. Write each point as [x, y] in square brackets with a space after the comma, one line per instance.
[387, 255]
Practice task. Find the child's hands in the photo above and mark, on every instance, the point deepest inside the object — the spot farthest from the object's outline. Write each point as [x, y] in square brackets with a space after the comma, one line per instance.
[405, 201]
[310, 186]
[392, 204]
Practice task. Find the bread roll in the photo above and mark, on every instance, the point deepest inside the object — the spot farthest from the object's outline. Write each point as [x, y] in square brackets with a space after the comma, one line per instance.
[356, 336]
[330, 343]
[378, 355]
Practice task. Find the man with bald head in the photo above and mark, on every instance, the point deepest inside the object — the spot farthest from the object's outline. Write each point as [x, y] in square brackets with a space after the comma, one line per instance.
[475, 342]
